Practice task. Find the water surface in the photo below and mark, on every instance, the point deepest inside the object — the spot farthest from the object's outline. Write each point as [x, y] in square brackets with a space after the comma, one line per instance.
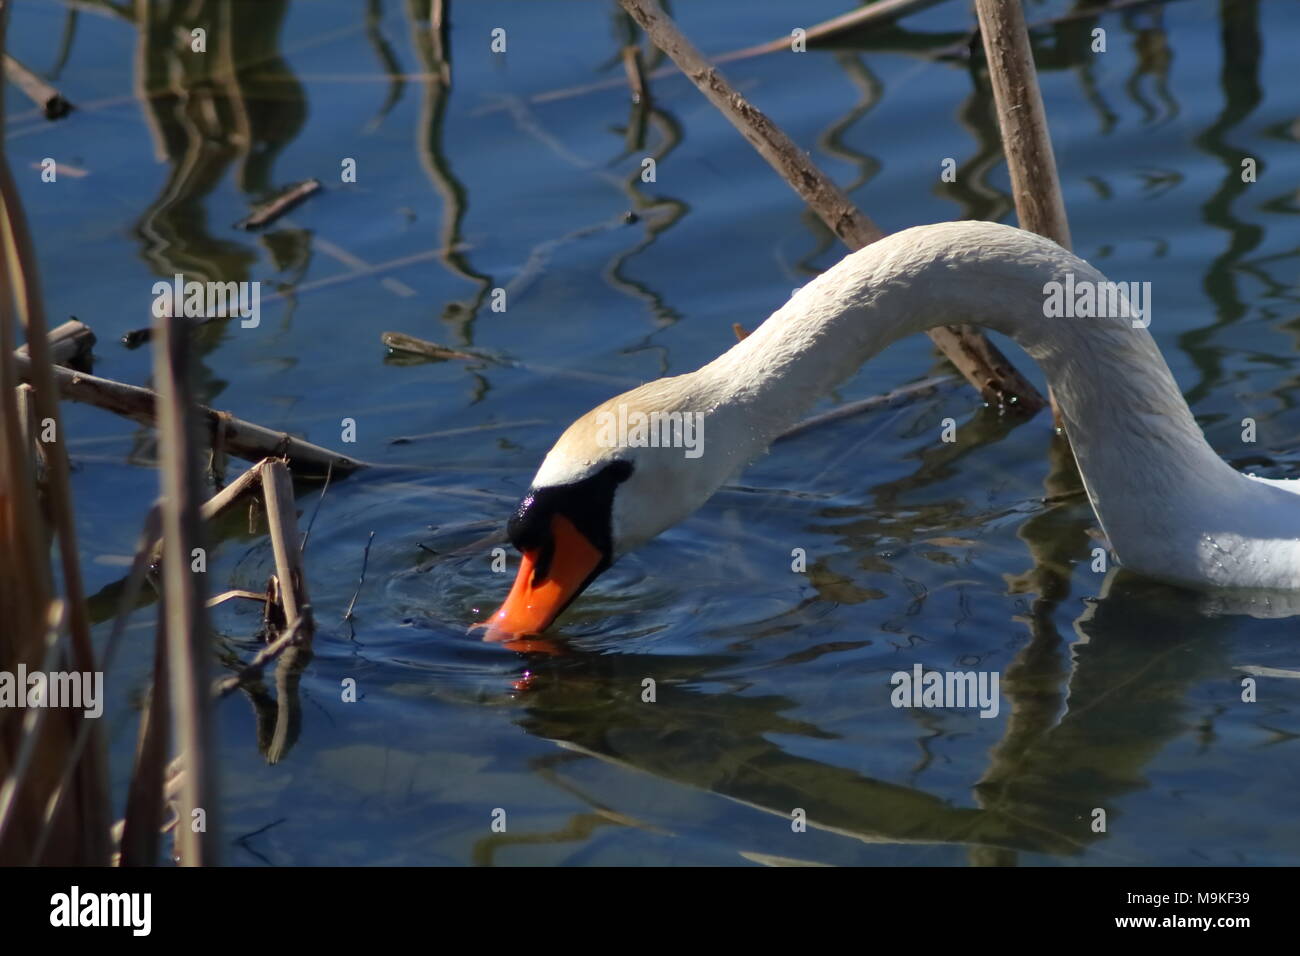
[772, 687]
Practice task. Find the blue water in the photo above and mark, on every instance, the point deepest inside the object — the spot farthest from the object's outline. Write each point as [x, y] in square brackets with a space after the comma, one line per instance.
[773, 688]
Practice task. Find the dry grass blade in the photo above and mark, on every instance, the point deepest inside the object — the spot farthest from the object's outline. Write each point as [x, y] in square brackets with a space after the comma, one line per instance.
[26, 585]
[188, 640]
[33, 723]
[145, 801]
[140, 564]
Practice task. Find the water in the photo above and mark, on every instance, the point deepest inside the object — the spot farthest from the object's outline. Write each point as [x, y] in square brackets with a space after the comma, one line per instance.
[773, 688]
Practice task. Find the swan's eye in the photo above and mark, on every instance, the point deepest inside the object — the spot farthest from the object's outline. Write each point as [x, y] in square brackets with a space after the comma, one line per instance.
[586, 503]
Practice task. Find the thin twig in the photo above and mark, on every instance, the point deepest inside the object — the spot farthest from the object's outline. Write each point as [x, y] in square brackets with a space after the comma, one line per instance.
[365, 561]
[849, 409]
[315, 511]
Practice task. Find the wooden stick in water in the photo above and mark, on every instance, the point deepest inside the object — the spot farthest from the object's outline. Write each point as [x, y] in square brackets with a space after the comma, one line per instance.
[243, 439]
[270, 211]
[50, 100]
[401, 342]
[70, 345]
[282, 520]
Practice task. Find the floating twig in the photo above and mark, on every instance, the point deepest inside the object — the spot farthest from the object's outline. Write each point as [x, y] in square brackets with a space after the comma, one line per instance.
[46, 97]
[401, 342]
[271, 210]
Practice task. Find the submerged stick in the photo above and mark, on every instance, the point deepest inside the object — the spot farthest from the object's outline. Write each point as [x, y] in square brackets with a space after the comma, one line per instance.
[46, 97]
[243, 439]
[401, 342]
[268, 212]
[978, 360]
[849, 409]
[882, 11]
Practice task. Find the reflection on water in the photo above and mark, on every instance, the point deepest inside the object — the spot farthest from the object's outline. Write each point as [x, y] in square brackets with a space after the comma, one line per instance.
[1122, 700]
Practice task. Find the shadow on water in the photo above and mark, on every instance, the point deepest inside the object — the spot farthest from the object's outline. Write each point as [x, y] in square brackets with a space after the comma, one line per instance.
[1085, 719]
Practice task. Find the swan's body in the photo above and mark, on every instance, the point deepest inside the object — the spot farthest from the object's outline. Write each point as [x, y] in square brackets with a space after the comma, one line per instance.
[1171, 508]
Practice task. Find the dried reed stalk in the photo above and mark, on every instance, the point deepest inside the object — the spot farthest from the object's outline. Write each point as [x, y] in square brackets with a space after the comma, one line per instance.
[188, 642]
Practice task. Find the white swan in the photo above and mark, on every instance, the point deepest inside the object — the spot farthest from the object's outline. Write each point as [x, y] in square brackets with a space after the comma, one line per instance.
[1171, 508]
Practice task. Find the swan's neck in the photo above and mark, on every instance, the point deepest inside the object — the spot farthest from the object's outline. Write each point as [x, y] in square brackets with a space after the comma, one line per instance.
[1148, 470]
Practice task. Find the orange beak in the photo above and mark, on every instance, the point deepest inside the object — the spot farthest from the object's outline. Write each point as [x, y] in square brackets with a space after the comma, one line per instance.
[535, 601]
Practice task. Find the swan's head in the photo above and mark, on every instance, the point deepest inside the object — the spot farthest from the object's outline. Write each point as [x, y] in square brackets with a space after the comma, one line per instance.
[619, 475]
